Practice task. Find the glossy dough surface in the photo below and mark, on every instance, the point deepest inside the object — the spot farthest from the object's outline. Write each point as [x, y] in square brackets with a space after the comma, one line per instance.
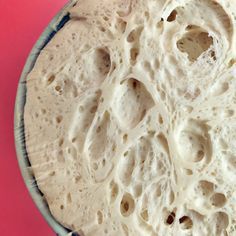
[130, 118]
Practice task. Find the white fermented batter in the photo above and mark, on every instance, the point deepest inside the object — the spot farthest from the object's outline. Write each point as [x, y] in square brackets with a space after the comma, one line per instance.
[130, 118]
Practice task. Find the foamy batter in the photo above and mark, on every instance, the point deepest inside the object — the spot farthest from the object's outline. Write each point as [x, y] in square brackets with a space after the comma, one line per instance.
[130, 118]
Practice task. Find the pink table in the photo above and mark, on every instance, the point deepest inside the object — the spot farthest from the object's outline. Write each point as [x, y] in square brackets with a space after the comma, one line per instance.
[21, 23]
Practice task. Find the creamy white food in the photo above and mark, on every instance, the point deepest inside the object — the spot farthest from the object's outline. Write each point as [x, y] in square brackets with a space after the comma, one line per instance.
[130, 118]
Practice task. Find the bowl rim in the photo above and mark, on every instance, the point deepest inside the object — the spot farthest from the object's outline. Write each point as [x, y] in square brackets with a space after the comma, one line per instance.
[54, 26]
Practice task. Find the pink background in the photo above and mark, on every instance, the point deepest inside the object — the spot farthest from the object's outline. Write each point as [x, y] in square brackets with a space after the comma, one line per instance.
[21, 23]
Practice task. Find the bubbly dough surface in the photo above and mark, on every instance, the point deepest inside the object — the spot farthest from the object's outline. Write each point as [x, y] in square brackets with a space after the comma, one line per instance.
[130, 118]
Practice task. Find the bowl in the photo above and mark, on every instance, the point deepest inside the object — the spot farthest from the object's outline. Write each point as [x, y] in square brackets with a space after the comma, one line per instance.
[56, 24]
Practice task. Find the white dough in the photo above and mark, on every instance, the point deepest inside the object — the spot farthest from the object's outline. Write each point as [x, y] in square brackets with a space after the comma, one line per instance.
[130, 118]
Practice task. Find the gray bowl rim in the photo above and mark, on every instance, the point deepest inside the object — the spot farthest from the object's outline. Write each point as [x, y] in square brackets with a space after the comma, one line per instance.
[56, 24]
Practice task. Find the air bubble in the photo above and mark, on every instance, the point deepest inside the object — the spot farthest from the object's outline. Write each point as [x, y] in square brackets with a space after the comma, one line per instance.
[188, 172]
[172, 16]
[58, 88]
[126, 153]
[77, 179]
[105, 18]
[147, 15]
[125, 138]
[127, 205]
[93, 109]
[102, 29]
[229, 113]
[205, 187]
[121, 25]
[61, 158]
[185, 222]
[69, 200]
[163, 95]
[138, 190]
[232, 62]
[218, 200]
[219, 221]
[160, 120]
[170, 218]
[171, 197]
[114, 147]
[191, 27]
[163, 141]
[99, 217]
[200, 155]
[134, 52]
[98, 130]
[147, 66]
[95, 166]
[194, 142]
[145, 215]
[52, 173]
[132, 91]
[114, 191]
[59, 119]
[194, 43]
[135, 83]
[51, 79]
[61, 141]
[188, 109]
[103, 61]
[220, 88]
[158, 190]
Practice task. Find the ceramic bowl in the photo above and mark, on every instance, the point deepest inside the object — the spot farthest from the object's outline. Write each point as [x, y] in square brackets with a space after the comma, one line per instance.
[57, 23]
